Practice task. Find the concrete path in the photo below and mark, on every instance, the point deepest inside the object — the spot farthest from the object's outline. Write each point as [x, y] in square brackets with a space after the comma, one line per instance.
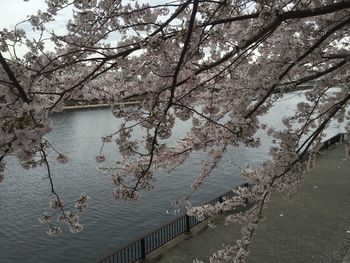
[312, 226]
[347, 257]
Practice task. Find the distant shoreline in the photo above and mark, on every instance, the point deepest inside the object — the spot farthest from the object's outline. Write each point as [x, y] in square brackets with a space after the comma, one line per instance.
[102, 105]
[129, 103]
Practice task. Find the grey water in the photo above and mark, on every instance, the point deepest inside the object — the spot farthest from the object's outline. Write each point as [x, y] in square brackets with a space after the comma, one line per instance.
[108, 223]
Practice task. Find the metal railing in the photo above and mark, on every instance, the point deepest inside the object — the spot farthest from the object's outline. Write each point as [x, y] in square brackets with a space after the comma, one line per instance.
[144, 245]
[147, 243]
[340, 137]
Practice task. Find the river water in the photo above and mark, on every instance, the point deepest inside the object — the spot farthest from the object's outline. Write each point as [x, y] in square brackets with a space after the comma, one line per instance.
[108, 224]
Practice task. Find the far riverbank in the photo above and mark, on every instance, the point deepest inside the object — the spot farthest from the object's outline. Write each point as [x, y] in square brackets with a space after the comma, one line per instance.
[100, 105]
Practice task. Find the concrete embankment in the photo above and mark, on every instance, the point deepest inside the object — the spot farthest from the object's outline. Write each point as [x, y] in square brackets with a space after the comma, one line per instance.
[311, 226]
[102, 105]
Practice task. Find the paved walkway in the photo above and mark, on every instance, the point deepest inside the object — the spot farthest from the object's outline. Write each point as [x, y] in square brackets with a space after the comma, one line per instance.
[312, 226]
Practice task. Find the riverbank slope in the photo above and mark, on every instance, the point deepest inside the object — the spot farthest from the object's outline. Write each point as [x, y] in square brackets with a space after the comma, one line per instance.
[311, 226]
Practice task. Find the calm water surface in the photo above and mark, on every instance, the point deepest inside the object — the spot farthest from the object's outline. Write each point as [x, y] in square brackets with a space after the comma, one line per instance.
[108, 224]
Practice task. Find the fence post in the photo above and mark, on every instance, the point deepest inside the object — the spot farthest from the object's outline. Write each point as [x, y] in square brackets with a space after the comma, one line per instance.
[188, 227]
[220, 201]
[143, 249]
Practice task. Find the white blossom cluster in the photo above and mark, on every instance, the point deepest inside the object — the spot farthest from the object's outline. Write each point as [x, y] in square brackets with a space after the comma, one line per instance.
[64, 216]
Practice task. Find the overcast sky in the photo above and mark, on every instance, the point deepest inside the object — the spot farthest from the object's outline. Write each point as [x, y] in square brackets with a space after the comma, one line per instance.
[14, 11]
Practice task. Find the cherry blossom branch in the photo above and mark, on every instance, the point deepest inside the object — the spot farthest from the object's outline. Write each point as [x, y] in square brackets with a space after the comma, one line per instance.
[316, 75]
[172, 89]
[56, 203]
[206, 117]
[300, 58]
[318, 11]
[13, 79]
[333, 110]
[264, 196]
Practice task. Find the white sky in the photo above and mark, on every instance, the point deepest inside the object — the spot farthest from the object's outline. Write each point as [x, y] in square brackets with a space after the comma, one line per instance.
[14, 11]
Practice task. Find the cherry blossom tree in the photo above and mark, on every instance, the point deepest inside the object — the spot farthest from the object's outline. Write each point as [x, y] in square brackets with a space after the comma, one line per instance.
[219, 64]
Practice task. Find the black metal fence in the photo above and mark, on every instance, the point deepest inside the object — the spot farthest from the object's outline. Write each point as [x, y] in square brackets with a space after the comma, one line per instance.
[340, 137]
[141, 247]
[147, 243]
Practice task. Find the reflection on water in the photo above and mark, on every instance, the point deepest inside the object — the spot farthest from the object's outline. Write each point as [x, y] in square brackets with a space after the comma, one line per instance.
[107, 223]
